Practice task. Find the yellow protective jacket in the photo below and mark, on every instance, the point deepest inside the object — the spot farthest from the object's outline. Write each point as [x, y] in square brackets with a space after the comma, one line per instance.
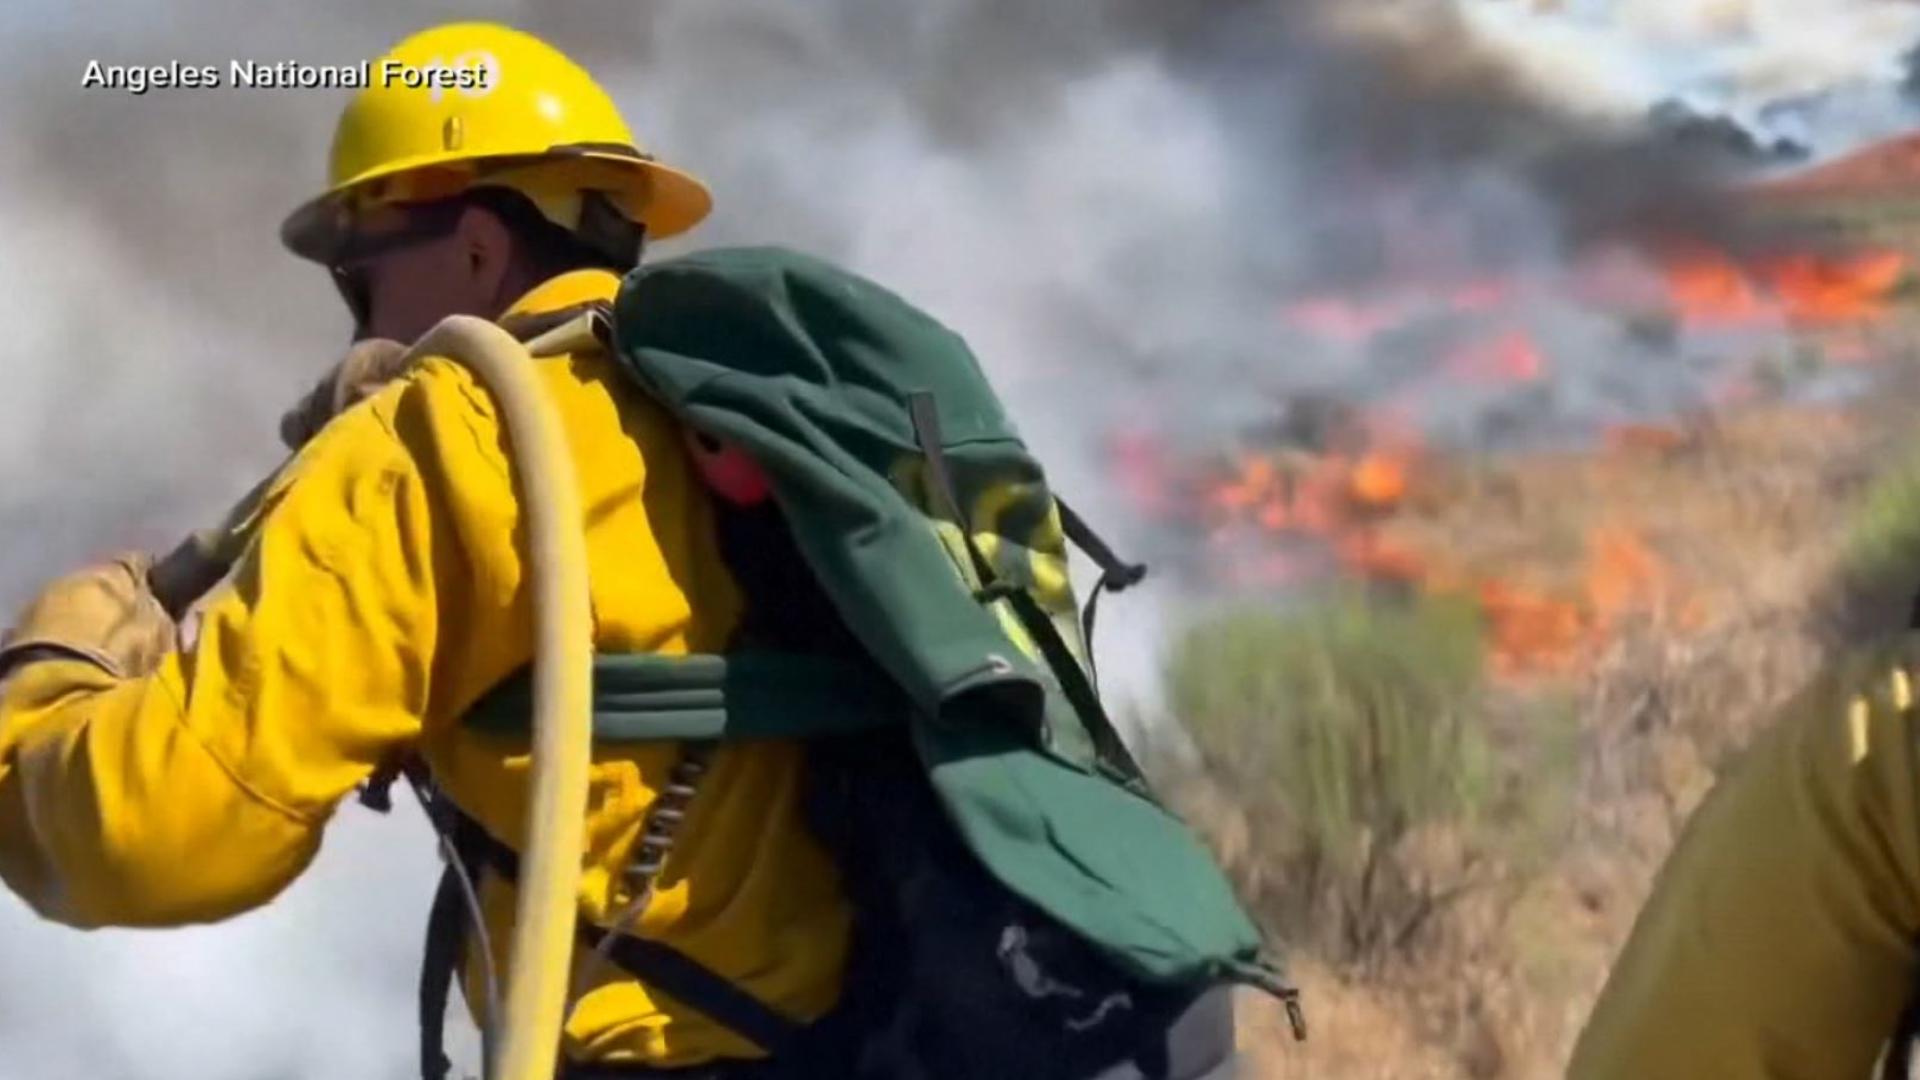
[385, 592]
[1779, 939]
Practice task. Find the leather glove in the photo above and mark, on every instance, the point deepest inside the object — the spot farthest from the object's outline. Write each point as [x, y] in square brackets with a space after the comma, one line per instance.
[185, 574]
[105, 614]
[368, 366]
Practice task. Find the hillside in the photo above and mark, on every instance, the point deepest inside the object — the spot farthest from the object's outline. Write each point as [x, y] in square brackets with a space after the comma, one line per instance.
[1742, 521]
[1640, 602]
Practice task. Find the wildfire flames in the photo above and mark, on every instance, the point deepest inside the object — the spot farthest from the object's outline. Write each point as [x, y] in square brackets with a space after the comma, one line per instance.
[1335, 505]
[1289, 514]
[1532, 632]
[1710, 288]
[1700, 287]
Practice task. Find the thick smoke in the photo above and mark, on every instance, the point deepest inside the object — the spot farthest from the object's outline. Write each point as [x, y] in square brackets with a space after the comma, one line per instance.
[1821, 74]
[1112, 200]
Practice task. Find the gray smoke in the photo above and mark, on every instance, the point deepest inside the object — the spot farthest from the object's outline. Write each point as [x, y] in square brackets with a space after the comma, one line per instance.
[1112, 199]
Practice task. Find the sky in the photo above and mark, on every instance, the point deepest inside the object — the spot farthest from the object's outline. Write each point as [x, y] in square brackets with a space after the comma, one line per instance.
[1108, 198]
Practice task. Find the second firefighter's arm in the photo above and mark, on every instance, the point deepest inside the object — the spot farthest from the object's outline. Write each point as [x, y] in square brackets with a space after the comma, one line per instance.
[200, 789]
[1779, 939]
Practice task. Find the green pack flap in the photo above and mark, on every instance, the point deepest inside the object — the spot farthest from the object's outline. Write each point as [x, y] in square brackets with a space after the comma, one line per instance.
[806, 367]
[1119, 869]
[745, 695]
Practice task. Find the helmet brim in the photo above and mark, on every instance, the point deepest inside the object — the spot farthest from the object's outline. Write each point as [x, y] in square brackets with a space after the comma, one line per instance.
[664, 199]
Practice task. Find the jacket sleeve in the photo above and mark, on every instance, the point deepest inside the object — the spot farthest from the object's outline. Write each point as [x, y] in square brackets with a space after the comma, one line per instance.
[1779, 938]
[199, 790]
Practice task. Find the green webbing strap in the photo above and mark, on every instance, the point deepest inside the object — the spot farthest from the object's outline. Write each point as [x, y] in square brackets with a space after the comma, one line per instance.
[1110, 752]
[642, 697]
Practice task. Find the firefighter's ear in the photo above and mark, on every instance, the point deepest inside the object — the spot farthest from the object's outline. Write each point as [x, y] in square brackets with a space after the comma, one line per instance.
[487, 248]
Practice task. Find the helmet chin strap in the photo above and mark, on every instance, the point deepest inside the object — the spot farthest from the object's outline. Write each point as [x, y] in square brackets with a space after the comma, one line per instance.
[608, 232]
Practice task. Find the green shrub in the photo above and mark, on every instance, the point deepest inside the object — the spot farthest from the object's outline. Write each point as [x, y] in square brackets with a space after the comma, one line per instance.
[1880, 563]
[1354, 738]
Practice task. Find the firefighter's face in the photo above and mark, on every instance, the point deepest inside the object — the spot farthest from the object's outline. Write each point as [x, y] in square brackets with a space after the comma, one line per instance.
[455, 267]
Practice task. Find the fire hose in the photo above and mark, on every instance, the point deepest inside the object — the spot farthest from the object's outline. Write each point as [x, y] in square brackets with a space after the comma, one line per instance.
[547, 903]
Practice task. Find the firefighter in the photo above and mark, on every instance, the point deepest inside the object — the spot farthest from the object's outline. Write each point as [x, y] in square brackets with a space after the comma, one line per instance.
[1034, 916]
[1779, 940]
[144, 782]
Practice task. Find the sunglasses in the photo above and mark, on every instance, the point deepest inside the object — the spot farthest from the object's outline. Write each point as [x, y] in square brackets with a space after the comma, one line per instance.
[394, 228]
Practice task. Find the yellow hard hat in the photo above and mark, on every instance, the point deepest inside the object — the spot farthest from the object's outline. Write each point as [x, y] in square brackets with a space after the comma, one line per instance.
[468, 104]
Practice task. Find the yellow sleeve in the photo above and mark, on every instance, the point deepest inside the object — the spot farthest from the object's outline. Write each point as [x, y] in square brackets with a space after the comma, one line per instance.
[200, 790]
[1779, 939]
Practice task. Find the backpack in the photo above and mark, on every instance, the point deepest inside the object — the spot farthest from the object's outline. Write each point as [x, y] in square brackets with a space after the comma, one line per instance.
[1010, 871]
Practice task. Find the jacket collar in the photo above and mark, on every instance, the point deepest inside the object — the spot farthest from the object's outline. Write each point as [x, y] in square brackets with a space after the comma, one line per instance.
[566, 290]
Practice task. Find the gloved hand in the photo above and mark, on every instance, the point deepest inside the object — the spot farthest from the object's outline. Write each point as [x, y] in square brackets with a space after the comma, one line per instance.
[368, 366]
[186, 573]
[106, 614]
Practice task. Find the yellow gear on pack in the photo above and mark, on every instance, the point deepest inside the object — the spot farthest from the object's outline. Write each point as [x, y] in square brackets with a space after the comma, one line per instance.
[470, 104]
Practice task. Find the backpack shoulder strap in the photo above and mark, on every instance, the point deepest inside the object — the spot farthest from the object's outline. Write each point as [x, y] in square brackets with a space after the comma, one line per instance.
[655, 964]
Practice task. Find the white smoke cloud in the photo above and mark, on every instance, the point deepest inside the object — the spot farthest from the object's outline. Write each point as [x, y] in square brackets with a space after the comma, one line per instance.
[1824, 73]
[1109, 199]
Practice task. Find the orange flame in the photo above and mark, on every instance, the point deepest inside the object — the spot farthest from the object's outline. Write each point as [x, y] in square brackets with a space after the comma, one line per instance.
[1295, 503]
[1255, 482]
[1623, 574]
[1817, 289]
[1379, 480]
[1710, 288]
[1510, 357]
[1529, 632]
[1533, 633]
